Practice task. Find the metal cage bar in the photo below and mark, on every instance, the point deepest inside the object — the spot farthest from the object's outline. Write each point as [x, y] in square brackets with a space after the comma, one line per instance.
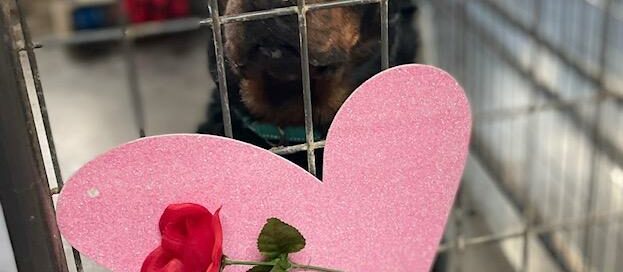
[220, 66]
[307, 103]
[216, 22]
[129, 58]
[24, 189]
[528, 213]
[549, 98]
[534, 222]
[591, 74]
[600, 77]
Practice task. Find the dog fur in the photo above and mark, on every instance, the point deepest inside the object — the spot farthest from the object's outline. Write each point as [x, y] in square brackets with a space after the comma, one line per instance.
[263, 67]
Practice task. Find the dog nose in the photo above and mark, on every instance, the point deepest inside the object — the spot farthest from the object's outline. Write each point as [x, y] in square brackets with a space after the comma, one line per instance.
[278, 51]
[271, 52]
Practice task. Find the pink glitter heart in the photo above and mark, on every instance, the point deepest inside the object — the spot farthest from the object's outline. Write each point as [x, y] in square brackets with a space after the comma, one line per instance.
[394, 156]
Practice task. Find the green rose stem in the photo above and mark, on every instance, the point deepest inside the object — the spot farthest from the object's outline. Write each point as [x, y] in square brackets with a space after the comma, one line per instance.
[311, 267]
[239, 262]
[294, 265]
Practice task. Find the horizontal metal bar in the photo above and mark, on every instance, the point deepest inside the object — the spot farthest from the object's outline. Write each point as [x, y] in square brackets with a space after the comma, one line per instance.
[182, 25]
[461, 244]
[285, 150]
[566, 225]
[513, 112]
[134, 31]
[34, 46]
[340, 3]
[252, 16]
[272, 13]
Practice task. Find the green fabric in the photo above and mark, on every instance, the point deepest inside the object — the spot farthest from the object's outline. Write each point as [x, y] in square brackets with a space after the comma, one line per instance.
[290, 134]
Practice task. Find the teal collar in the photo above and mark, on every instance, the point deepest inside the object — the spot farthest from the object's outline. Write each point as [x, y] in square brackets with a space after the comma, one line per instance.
[276, 135]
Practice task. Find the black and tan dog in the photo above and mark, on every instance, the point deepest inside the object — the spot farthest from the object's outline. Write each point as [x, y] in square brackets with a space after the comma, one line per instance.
[264, 69]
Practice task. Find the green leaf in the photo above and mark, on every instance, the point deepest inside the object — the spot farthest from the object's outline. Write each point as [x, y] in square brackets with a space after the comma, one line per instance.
[261, 268]
[278, 238]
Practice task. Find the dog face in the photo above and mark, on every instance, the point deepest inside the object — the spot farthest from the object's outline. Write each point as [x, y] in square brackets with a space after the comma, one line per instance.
[265, 55]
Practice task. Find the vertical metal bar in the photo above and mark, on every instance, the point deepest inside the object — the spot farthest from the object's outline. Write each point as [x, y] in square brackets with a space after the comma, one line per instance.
[563, 209]
[34, 69]
[550, 116]
[77, 260]
[618, 239]
[384, 9]
[530, 132]
[459, 244]
[577, 208]
[460, 63]
[569, 210]
[220, 66]
[595, 156]
[558, 240]
[29, 48]
[129, 57]
[24, 188]
[616, 173]
[309, 120]
[500, 84]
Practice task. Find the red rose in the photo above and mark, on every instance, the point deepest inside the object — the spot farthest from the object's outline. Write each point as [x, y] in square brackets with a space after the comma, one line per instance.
[192, 241]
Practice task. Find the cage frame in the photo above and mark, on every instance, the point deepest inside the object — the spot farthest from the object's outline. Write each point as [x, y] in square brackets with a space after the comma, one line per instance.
[18, 45]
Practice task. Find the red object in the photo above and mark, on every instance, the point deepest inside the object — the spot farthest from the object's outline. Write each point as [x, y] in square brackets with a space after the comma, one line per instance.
[192, 241]
[156, 10]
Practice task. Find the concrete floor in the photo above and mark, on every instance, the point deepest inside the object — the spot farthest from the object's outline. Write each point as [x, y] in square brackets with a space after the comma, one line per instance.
[89, 103]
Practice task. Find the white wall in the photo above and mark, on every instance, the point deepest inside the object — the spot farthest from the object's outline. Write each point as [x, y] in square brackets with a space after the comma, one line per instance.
[7, 262]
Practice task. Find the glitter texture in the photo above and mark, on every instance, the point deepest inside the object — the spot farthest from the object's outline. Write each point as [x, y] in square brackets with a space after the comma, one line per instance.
[393, 160]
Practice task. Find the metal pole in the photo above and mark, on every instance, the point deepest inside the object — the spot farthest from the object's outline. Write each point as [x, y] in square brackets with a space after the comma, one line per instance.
[129, 57]
[309, 120]
[595, 158]
[24, 189]
[220, 66]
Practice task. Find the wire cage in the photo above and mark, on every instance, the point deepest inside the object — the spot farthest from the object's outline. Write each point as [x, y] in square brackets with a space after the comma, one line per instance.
[543, 78]
[542, 188]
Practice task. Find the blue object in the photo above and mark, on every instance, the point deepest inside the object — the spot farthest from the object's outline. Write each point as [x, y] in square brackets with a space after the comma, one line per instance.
[89, 18]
